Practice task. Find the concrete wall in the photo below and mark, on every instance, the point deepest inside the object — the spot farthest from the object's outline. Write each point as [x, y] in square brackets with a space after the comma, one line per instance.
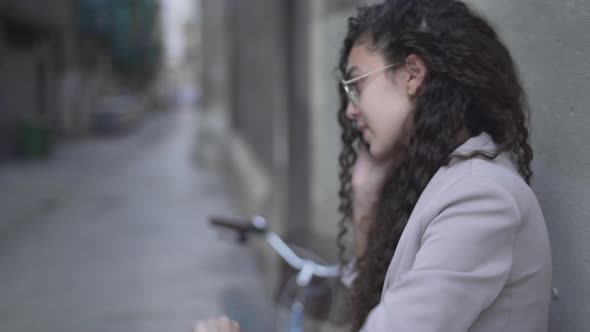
[283, 104]
[328, 29]
[298, 123]
[215, 71]
[551, 44]
[258, 71]
[273, 62]
[244, 114]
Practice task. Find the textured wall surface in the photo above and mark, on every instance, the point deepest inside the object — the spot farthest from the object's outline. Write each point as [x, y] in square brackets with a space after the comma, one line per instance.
[551, 44]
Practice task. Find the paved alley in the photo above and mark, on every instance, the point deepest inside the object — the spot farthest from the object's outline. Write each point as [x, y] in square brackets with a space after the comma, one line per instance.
[111, 234]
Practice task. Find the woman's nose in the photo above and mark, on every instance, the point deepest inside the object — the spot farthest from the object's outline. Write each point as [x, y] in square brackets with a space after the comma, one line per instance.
[352, 111]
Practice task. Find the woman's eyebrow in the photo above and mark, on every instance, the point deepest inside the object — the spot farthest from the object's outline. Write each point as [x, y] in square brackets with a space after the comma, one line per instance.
[350, 72]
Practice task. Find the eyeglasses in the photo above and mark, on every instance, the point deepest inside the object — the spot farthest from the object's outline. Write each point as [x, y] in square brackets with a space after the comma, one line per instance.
[351, 91]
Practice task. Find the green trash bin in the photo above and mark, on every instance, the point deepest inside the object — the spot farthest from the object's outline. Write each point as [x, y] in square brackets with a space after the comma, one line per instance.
[35, 138]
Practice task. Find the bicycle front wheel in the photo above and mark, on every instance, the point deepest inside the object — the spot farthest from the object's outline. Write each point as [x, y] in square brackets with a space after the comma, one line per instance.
[304, 309]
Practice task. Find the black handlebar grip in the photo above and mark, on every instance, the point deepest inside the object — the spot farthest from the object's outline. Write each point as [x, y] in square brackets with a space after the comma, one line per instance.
[242, 227]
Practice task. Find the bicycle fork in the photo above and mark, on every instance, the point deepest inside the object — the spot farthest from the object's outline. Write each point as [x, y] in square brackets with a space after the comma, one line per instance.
[296, 312]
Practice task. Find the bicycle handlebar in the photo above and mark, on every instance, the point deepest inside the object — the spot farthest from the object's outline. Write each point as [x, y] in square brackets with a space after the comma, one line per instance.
[242, 227]
[258, 225]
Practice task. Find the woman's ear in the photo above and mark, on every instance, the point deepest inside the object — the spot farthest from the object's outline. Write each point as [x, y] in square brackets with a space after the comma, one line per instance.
[417, 72]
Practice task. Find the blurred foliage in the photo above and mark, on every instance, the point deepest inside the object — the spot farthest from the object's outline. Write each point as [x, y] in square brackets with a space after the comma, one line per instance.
[130, 27]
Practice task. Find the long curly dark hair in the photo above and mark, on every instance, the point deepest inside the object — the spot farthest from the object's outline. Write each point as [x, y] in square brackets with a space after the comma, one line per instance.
[471, 87]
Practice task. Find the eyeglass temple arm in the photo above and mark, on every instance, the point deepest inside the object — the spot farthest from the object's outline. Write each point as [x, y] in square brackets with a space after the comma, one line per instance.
[366, 74]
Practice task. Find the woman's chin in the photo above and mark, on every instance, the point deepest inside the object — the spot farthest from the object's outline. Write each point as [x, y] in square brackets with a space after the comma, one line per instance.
[375, 152]
[379, 153]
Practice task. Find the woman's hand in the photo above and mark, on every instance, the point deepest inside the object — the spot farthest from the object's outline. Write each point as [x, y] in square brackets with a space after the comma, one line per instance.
[368, 177]
[221, 324]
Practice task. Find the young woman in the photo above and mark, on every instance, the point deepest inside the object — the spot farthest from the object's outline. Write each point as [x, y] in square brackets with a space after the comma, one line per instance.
[435, 170]
[449, 235]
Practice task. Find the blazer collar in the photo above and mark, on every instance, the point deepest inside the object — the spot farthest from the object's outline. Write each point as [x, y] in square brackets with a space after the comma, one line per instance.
[481, 142]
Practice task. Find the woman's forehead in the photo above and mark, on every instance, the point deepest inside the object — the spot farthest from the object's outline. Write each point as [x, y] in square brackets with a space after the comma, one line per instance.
[361, 58]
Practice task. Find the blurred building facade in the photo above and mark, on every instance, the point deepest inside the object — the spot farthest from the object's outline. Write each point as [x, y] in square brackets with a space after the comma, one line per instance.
[270, 90]
[263, 64]
[59, 57]
[30, 40]
[270, 93]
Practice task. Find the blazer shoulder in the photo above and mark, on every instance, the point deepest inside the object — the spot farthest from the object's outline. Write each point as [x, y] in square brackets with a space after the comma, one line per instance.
[482, 175]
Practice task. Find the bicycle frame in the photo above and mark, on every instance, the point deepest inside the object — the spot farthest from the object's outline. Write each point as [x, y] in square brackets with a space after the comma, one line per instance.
[308, 269]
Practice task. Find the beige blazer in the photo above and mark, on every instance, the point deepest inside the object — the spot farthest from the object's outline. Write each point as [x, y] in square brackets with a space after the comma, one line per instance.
[474, 255]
